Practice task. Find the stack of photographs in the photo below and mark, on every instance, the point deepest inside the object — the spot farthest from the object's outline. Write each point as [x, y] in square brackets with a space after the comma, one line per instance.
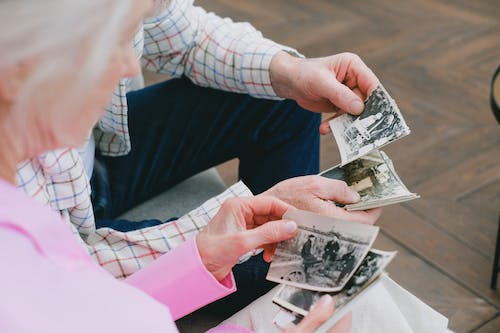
[301, 300]
[380, 123]
[373, 176]
[323, 255]
[327, 256]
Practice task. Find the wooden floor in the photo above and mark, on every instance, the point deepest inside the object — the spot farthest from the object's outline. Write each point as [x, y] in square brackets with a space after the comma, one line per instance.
[436, 58]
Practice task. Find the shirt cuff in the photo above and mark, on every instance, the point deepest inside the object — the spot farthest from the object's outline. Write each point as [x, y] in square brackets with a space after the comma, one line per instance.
[256, 61]
[179, 280]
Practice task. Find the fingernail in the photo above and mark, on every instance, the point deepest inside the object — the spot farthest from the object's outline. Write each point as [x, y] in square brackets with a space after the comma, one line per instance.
[355, 196]
[290, 226]
[325, 300]
[356, 106]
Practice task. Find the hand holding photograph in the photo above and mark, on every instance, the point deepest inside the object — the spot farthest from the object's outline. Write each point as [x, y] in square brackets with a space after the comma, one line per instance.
[380, 123]
[323, 255]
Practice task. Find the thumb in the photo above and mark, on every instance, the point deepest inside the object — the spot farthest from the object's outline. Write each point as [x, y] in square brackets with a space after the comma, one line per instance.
[341, 95]
[269, 233]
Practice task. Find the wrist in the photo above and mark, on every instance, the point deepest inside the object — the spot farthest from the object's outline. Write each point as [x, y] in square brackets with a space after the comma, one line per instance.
[281, 72]
[200, 246]
[207, 252]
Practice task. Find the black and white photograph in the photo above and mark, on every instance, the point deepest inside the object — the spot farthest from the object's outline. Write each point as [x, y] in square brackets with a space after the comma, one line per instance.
[300, 300]
[323, 255]
[380, 123]
[373, 176]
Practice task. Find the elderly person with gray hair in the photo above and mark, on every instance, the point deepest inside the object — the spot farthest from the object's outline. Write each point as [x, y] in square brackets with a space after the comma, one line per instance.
[58, 72]
[223, 102]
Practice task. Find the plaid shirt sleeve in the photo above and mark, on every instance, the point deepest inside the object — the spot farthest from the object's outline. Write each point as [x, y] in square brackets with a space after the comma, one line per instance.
[212, 51]
[124, 253]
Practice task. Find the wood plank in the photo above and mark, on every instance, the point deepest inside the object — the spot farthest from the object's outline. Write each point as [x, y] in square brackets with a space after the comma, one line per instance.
[456, 220]
[435, 245]
[472, 219]
[463, 101]
[492, 326]
[465, 177]
[463, 309]
[487, 8]
[424, 163]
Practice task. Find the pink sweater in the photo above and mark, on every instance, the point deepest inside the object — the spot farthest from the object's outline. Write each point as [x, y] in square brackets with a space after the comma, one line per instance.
[48, 283]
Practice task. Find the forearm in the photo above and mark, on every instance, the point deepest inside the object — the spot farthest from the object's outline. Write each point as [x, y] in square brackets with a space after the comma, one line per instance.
[210, 50]
[180, 280]
[124, 253]
[282, 73]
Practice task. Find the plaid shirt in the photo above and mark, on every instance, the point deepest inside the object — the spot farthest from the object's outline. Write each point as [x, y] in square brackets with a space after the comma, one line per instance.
[180, 40]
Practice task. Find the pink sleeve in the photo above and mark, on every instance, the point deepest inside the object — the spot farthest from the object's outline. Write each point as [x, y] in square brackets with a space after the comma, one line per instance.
[60, 293]
[229, 328]
[179, 280]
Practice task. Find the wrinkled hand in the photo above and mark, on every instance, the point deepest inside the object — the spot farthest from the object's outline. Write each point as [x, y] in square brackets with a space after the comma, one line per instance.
[321, 312]
[315, 193]
[241, 225]
[335, 84]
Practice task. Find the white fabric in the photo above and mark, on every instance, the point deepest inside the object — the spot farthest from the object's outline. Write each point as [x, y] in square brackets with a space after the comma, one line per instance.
[383, 307]
[425, 319]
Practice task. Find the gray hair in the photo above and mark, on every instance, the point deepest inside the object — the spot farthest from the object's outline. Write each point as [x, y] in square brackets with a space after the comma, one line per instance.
[51, 33]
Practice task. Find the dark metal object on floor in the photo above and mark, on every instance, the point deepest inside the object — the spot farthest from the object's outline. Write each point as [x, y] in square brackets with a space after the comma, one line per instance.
[495, 108]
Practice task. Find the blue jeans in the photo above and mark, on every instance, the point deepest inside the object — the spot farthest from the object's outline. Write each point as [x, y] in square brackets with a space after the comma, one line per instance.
[178, 129]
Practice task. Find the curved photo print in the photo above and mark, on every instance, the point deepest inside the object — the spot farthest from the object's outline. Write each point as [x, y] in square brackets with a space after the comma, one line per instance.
[300, 300]
[373, 176]
[323, 255]
[380, 123]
